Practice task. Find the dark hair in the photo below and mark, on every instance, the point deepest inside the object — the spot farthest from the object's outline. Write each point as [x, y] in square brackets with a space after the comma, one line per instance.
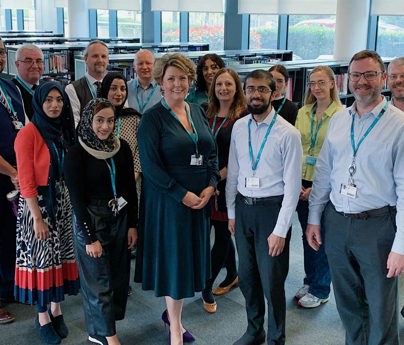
[280, 69]
[106, 85]
[365, 54]
[261, 74]
[200, 80]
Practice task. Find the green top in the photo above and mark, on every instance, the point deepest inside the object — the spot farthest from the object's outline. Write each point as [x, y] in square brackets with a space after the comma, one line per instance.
[303, 124]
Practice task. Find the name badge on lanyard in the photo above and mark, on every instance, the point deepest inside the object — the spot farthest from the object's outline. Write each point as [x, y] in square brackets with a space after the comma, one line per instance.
[196, 159]
[252, 182]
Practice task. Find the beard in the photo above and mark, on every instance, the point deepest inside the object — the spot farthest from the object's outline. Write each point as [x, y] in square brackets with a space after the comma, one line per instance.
[258, 110]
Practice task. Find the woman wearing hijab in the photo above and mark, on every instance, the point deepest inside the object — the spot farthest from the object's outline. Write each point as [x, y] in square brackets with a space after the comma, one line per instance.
[100, 177]
[45, 263]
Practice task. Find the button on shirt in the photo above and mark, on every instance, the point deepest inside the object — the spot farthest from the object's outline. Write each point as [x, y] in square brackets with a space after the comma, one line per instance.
[279, 168]
[148, 97]
[379, 161]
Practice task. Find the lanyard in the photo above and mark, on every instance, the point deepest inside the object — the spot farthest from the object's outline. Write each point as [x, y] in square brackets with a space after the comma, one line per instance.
[281, 106]
[313, 135]
[60, 159]
[221, 125]
[254, 164]
[92, 89]
[194, 136]
[9, 105]
[356, 148]
[25, 86]
[112, 172]
[118, 128]
[142, 106]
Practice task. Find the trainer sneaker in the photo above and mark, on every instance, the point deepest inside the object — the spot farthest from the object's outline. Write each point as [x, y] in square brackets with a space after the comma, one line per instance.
[311, 301]
[302, 291]
[98, 339]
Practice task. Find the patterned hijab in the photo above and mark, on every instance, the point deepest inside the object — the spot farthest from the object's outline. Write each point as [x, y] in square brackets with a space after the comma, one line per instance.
[88, 138]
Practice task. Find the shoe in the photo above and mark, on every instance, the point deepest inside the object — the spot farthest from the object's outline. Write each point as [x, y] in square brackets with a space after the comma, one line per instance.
[209, 303]
[302, 291]
[187, 337]
[98, 339]
[225, 289]
[311, 301]
[59, 325]
[248, 339]
[5, 317]
[47, 334]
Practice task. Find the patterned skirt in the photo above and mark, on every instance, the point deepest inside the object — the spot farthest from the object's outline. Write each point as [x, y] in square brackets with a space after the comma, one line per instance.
[46, 270]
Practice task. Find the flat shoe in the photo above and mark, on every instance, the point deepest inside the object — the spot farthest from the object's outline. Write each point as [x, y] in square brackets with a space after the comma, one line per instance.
[59, 325]
[47, 334]
[223, 290]
[209, 307]
[5, 317]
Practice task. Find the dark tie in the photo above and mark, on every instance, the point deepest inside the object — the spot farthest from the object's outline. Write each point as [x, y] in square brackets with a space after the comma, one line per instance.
[98, 88]
[33, 88]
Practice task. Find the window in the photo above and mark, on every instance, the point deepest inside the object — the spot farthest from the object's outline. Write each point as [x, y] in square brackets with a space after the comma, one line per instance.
[263, 31]
[2, 20]
[103, 23]
[66, 21]
[390, 36]
[129, 24]
[14, 25]
[29, 20]
[207, 27]
[170, 26]
[311, 36]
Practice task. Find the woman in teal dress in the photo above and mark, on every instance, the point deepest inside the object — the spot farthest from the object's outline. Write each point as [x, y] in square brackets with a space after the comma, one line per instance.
[179, 164]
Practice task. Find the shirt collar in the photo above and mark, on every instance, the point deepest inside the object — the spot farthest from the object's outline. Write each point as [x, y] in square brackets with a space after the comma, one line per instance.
[91, 79]
[151, 85]
[26, 83]
[375, 111]
[267, 119]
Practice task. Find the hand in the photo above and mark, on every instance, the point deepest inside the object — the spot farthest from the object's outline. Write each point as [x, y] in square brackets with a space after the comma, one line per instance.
[132, 237]
[191, 199]
[223, 173]
[205, 196]
[275, 244]
[41, 229]
[94, 249]
[305, 193]
[395, 265]
[313, 236]
[232, 226]
[14, 180]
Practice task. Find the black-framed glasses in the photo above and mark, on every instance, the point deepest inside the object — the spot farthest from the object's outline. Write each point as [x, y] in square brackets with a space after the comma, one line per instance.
[30, 61]
[368, 75]
[3, 52]
[261, 89]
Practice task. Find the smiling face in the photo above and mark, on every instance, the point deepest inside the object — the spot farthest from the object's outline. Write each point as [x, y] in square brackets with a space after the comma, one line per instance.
[175, 85]
[259, 96]
[117, 92]
[209, 70]
[103, 123]
[396, 81]
[281, 84]
[53, 104]
[321, 86]
[96, 60]
[144, 65]
[225, 87]
[30, 65]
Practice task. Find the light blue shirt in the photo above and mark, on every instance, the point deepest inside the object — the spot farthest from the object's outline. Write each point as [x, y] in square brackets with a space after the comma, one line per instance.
[147, 97]
[379, 176]
[279, 168]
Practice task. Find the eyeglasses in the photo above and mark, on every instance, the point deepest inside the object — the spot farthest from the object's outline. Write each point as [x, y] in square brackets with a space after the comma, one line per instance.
[321, 84]
[261, 89]
[394, 77]
[3, 52]
[30, 61]
[368, 75]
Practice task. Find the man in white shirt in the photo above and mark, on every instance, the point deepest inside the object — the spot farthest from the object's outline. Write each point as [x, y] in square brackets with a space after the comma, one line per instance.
[82, 91]
[395, 79]
[262, 191]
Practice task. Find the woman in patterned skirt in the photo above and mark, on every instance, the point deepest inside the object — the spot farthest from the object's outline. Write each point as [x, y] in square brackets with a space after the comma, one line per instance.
[46, 269]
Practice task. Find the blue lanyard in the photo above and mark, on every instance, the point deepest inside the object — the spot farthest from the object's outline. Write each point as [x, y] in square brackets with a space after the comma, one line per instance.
[92, 89]
[118, 128]
[142, 106]
[221, 125]
[112, 172]
[356, 148]
[60, 159]
[194, 136]
[313, 135]
[25, 86]
[281, 106]
[254, 164]
[10, 104]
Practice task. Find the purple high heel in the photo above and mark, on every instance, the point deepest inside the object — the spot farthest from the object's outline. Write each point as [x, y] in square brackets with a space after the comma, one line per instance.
[187, 337]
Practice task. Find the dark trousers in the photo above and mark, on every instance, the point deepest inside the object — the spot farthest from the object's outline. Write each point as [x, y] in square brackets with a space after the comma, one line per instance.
[357, 252]
[223, 252]
[104, 281]
[261, 275]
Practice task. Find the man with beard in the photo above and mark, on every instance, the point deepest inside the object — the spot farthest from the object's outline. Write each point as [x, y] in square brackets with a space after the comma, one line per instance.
[263, 186]
[82, 91]
[358, 198]
[396, 82]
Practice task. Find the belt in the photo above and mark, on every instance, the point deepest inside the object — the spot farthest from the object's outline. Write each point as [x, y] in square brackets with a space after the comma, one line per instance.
[254, 201]
[377, 212]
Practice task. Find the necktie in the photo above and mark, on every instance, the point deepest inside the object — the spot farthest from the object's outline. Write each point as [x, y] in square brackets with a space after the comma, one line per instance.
[4, 101]
[34, 87]
[98, 88]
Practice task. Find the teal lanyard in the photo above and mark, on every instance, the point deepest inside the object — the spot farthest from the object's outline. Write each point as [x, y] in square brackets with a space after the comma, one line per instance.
[25, 86]
[142, 106]
[356, 148]
[281, 106]
[194, 136]
[221, 125]
[92, 89]
[112, 172]
[9, 105]
[118, 128]
[254, 164]
[313, 135]
[60, 159]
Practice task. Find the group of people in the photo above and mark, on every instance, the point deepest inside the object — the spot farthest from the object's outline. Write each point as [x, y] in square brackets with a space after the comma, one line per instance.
[239, 158]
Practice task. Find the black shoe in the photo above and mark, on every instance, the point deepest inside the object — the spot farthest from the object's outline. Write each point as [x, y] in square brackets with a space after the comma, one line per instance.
[98, 339]
[47, 334]
[248, 339]
[59, 325]
[402, 312]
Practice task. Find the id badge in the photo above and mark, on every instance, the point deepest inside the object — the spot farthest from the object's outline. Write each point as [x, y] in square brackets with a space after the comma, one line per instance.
[252, 182]
[311, 160]
[121, 203]
[18, 125]
[196, 160]
[348, 190]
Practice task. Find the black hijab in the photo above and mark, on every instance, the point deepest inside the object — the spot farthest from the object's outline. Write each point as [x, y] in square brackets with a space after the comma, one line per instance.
[106, 85]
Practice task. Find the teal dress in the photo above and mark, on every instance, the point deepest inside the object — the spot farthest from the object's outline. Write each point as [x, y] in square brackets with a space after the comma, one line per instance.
[174, 247]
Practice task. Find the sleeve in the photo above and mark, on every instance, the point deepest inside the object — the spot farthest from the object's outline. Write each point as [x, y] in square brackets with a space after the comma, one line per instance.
[153, 168]
[232, 176]
[74, 102]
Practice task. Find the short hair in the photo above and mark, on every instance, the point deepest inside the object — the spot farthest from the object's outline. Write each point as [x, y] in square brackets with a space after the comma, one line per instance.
[261, 74]
[173, 60]
[334, 93]
[27, 46]
[238, 105]
[396, 62]
[141, 51]
[365, 54]
[200, 80]
[280, 69]
[92, 43]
